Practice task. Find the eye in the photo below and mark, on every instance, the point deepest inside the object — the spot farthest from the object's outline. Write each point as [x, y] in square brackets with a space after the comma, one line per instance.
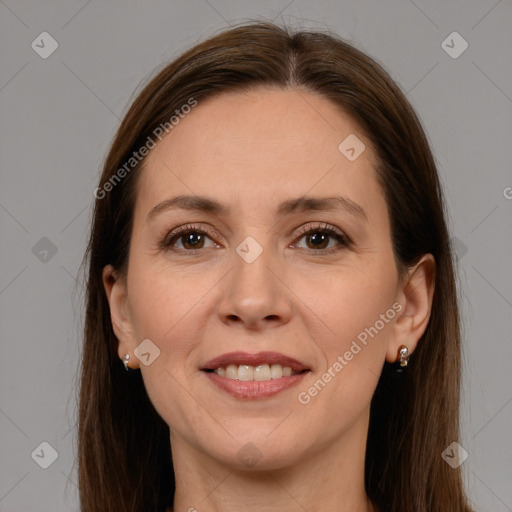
[319, 238]
[189, 237]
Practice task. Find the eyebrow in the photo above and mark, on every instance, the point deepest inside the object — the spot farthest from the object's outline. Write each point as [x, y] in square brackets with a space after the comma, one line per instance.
[298, 205]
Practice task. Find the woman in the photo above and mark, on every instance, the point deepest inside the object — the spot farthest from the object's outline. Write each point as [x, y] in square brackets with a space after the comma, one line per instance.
[271, 293]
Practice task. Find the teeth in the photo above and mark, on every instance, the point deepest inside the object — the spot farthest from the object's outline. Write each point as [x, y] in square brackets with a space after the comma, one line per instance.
[262, 372]
[232, 372]
[276, 371]
[245, 372]
[287, 371]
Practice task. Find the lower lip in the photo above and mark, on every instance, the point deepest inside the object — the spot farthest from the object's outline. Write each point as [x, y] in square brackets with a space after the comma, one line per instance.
[254, 389]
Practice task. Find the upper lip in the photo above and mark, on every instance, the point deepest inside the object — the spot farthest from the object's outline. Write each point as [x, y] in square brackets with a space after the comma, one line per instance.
[241, 358]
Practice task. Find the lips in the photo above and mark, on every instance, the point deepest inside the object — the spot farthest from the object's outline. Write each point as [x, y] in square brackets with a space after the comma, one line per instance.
[254, 376]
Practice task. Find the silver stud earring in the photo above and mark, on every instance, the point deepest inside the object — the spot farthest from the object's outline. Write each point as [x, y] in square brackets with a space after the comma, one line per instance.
[126, 359]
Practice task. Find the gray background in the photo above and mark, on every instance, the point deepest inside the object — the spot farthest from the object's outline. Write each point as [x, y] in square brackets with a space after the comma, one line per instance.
[59, 115]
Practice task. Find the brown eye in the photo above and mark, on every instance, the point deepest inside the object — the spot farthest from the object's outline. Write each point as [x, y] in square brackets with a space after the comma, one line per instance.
[192, 240]
[323, 239]
[318, 240]
[187, 239]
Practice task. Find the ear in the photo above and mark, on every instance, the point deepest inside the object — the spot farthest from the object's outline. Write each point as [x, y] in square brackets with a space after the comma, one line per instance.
[415, 294]
[117, 296]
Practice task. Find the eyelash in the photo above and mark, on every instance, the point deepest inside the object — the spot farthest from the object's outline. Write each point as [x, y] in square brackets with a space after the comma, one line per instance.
[167, 241]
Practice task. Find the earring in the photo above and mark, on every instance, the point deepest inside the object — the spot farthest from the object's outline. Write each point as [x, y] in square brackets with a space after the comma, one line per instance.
[403, 355]
[126, 358]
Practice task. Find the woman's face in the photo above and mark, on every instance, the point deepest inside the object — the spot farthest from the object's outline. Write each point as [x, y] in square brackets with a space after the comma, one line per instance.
[239, 283]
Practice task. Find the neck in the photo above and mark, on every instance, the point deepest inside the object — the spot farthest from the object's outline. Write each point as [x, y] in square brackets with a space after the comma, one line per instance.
[331, 480]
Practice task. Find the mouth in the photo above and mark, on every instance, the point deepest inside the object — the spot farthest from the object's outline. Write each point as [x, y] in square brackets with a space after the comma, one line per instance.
[253, 376]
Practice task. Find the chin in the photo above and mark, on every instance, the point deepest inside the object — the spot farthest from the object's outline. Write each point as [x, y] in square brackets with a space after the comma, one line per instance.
[255, 449]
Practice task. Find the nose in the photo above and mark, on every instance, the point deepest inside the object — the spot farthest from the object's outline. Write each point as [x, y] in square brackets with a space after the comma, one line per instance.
[255, 294]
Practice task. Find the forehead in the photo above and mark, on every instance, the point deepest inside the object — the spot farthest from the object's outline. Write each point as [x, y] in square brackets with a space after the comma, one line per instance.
[284, 141]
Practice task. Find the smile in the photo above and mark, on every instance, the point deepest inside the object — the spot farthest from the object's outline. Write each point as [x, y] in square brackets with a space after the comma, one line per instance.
[253, 376]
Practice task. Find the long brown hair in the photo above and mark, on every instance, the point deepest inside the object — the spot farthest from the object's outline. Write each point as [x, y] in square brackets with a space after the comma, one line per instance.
[124, 454]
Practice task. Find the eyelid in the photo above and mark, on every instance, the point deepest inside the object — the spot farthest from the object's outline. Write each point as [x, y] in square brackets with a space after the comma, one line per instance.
[192, 227]
[317, 225]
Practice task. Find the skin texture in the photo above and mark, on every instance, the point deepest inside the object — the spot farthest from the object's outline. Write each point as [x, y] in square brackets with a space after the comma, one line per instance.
[251, 151]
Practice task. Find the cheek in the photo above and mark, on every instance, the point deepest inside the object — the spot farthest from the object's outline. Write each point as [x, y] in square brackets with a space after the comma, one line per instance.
[161, 299]
[164, 307]
[357, 315]
[171, 306]
[348, 301]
